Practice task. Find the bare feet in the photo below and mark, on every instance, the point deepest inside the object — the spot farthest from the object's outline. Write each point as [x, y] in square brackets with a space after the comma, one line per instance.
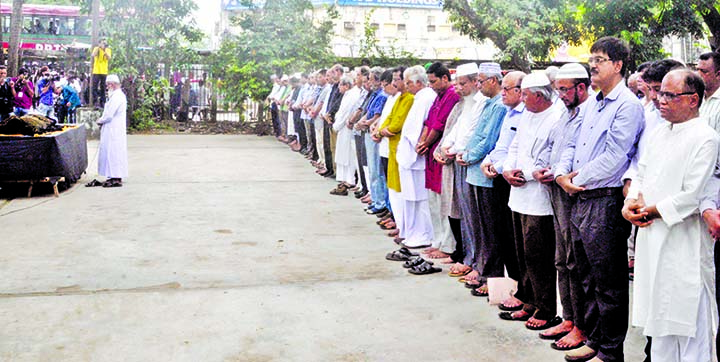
[574, 338]
[446, 261]
[535, 323]
[459, 268]
[562, 328]
[473, 275]
[429, 250]
[512, 302]
[437, 254]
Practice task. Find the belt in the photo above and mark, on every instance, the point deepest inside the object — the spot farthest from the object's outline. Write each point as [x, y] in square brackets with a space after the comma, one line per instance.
[601, 192]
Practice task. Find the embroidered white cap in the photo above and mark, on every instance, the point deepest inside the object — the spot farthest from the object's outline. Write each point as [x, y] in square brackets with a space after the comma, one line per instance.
[537, 79]
[572, 71]
[466, 69]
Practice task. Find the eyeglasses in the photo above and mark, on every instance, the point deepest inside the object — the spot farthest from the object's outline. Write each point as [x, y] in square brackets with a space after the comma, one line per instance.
[597, 60]
[508, 89]
[563, 90]
[482, 81]
[669, 96]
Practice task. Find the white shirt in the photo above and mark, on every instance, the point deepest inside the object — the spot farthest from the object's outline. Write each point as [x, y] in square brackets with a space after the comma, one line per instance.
[652, 120]
[674, 255]
[407, 158]
[460, 134]
[384, 149]
[533, 198]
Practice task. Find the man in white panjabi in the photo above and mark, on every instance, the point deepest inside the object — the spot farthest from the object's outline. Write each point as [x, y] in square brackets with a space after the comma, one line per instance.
[112, 157]
[345, 155]
[674, 272]
[416, 227]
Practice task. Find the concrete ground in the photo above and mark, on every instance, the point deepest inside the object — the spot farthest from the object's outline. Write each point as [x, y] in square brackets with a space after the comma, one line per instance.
[229, 248]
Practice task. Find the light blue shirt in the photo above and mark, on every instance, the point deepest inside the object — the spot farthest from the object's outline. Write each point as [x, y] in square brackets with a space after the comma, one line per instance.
[483, 140]
[507, 133]
[607, 139]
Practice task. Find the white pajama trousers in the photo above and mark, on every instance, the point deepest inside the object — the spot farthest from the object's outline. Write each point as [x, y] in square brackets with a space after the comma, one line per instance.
[688, 349]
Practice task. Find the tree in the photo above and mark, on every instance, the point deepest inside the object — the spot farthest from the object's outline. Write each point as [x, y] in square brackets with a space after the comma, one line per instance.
[523, 30]
[146, 33]
[15, 27]
[279, 37]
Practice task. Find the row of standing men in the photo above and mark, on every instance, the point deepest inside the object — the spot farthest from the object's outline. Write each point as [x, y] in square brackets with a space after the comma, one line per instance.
[540, 180]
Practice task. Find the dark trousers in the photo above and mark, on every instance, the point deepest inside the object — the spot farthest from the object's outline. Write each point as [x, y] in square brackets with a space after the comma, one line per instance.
[361, 159]
[275, 116]
[600, 238]
[458, 255]
[98, 89]
[300, 129]
[535, 247]
[488, 260]
[504, 228]
[572, 296]
[327, 145]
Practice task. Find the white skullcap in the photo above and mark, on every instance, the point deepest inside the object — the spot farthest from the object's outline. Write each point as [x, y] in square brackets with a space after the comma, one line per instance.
[466, 69]
[284, 77]
[490, 68]
[112, 78]
[572, 71]
[532, 80]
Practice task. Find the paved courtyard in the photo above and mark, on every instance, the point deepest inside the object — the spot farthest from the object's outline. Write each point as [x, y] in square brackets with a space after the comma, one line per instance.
[228, 248]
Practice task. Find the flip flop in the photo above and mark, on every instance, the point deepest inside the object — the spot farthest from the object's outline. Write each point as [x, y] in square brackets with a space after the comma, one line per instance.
[550, 323]
[475, 292]
[460, 274]
[509, 317]
[423, 269]
[510, 309]
[93, 183]
[472, 286]
[553, 337]
[567, 348]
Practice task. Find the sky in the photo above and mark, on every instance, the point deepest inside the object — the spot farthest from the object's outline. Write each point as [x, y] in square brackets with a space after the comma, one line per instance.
[207, 15]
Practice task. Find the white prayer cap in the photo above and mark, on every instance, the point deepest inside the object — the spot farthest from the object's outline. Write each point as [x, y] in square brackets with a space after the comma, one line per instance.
[537, 79]
[551, 72]
[466, 69]
[572, 71]
[284, 77]
[490, 68]
[112, 78]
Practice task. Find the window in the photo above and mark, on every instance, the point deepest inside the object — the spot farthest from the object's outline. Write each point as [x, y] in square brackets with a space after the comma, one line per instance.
[431, 28]
[349, 25]
[375, 26]
[401, 27]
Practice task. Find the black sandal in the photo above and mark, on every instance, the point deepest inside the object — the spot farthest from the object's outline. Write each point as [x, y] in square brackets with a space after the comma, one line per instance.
[93, 183]
[401, 254]
[415, 262]
[112, 183]
[423, 269]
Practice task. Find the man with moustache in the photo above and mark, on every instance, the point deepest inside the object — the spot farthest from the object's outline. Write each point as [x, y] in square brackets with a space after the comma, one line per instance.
[602, 150]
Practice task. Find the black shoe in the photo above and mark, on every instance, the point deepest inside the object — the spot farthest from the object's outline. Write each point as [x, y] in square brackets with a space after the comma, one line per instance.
[360, 194]
[383, 213]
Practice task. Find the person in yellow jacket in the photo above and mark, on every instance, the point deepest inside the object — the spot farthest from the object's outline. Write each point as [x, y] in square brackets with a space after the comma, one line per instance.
[101, 55]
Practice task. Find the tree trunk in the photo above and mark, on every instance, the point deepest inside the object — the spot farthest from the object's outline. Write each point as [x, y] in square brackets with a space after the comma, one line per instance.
[711, 16]
[15, 27]
[95, 37]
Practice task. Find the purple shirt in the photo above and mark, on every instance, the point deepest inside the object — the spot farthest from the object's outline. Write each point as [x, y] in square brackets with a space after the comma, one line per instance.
[22, 98]
[437, 116]
[606, 140]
